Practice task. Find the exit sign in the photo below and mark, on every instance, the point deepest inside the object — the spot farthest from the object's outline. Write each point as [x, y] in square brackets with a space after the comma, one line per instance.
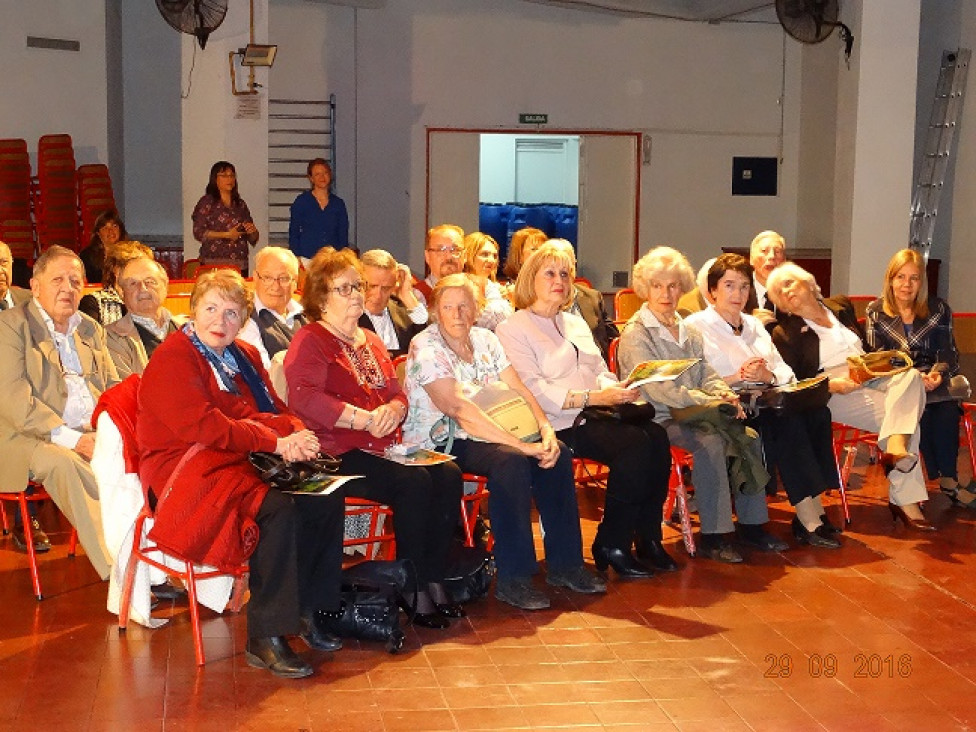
[533, 119]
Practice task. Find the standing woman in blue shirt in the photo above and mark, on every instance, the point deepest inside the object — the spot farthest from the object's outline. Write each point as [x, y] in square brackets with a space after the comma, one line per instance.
[318, 217]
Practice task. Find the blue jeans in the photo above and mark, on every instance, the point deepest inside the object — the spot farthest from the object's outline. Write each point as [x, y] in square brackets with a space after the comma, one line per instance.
[514, 481]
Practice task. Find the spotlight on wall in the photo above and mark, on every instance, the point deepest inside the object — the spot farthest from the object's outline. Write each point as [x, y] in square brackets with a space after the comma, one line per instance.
[258, 54]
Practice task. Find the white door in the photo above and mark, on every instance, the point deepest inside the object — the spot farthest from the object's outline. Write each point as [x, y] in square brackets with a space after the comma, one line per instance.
[609, 167]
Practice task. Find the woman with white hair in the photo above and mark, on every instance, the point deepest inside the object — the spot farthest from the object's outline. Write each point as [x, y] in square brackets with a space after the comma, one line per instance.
[815, 335]
[657, 332]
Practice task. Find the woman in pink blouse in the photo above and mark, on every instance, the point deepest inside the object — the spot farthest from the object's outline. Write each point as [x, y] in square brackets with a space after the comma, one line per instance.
[222, 222]
[342, 384]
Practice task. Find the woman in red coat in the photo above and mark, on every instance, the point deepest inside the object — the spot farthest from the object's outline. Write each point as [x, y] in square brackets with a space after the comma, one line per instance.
[205, 402]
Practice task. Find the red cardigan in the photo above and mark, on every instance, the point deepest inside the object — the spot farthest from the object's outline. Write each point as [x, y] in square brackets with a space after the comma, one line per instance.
[321, 381]
[208, 515]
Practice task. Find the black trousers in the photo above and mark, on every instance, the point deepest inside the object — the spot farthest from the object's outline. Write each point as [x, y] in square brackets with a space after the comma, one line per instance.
[297, 565]
[639, 458]
[800, 444]
[426, 505]
[939, 438]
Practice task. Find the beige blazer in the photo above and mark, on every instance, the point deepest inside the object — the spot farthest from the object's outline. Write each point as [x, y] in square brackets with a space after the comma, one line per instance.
[32, 385]
[125, 346]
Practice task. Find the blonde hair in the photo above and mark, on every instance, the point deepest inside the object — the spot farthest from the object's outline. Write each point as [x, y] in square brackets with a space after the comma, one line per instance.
[921, 304]
[662, 261]
[474, 243]
[552, 251]
[229, 283]
[516, 258]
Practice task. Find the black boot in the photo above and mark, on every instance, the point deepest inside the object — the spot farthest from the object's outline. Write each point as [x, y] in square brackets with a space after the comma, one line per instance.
[621, 560]
[276, 655]
[315, 637]
[652, 552]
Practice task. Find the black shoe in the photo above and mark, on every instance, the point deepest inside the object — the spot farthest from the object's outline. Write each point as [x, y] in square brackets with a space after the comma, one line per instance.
[621, 560]
[431, 620]
[652, 552]
[720, 551]
[450, 609]
[41, 542]
[276, 655]
[316, 638]
[825, 522]
[168, 591]
[755, 535]
[820, 537]
[578, 579]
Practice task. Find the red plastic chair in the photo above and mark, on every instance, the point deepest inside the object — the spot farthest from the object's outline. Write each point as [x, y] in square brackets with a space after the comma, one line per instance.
[22, 499]
[471, 507]
[380, 542]
[681, 460]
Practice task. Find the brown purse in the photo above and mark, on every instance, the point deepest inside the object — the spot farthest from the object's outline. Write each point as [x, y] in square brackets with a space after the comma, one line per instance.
[877, 364]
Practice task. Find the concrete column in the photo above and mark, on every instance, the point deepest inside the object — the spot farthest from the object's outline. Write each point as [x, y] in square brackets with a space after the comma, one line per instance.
[212, 127]
[875, 142]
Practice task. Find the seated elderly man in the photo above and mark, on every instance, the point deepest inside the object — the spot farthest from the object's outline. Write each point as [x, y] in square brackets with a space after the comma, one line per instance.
[54, 365]
[391, 309]
[277, 316]
[133, 338]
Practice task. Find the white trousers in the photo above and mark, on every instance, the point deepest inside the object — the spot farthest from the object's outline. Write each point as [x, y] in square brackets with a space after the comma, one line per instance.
[889, 406]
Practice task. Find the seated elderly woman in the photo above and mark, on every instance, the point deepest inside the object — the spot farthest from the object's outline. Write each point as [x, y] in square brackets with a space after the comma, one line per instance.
[447, 365]
[815, 335]
[657, 332]
[554, 354]
[205, 403]
[106, 305]
[134, 337]
[342, 383]
[906, 318]
[799, 440]
[481, 261]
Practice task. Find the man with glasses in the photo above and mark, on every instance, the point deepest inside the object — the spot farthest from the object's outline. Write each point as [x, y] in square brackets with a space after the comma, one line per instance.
[133, 338]
[277, 316]
[391, 308]
[442, 252]
[54, 365]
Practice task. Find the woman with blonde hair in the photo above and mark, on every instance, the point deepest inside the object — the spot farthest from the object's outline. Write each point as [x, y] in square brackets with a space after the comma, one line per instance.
[907, 318]
[481, 263]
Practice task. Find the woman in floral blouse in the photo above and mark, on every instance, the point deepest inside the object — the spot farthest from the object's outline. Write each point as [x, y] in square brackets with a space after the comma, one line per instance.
[222, 222]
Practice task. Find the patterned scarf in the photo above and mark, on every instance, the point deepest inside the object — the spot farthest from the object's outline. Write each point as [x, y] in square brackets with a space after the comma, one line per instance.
[232, 363]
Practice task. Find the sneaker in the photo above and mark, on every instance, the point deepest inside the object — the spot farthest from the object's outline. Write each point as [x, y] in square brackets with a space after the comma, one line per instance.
[578, 579]
[520, 593]
[41, 541]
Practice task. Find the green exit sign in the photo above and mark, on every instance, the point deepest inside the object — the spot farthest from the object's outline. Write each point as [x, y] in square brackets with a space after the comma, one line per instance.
[533, 119]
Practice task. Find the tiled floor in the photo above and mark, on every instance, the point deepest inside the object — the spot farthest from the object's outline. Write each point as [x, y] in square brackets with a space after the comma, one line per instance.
[878, 635]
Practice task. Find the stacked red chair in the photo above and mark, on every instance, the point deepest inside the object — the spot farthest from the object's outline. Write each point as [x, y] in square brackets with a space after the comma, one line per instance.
[16, 224]
[56, 193]
[95, 195]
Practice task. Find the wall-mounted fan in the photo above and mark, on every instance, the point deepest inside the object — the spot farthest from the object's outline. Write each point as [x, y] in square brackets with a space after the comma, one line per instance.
[199, 18]
[812, 21]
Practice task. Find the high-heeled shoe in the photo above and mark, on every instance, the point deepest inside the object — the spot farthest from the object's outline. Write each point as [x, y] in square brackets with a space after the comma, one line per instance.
[902, 462]
[819, 537]
[621, 560]
[897, 512]
[652, 552]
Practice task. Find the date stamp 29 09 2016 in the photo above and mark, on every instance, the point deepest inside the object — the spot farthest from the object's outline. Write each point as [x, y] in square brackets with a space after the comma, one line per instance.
[831, 665]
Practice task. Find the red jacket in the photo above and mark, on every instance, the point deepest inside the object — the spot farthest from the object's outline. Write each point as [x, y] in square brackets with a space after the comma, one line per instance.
[208, 513]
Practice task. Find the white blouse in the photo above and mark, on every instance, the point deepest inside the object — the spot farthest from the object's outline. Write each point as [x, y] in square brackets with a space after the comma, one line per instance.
[836, 343]
[726, 352]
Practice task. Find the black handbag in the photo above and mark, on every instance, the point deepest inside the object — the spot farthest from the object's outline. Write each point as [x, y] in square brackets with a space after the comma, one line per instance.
[470, 571]
[372, 594]
[278, 473]
[796, 397]
[628, 413]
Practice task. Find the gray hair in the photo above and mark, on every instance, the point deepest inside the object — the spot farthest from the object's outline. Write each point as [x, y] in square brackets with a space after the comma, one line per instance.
[378, 258]
[662, 261]
[789, 271]
[287, 256]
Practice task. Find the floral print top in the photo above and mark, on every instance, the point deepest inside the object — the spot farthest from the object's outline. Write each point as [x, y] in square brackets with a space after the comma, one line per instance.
[212, 215]
[431, 359]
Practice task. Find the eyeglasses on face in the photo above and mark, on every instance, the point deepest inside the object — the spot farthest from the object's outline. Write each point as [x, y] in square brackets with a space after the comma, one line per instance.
[283, 280]
[150, 283]
[453, 251]
[346, 288]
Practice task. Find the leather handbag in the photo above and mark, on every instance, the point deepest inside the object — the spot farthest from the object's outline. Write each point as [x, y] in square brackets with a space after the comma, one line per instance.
[469, 572]
[297, 476]
[877, 364]
[796, 397]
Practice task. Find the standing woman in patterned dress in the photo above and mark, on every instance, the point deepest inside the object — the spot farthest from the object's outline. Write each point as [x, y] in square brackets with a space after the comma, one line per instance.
[222, 222]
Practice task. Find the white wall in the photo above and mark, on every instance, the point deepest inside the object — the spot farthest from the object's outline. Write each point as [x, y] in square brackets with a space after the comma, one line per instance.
[706, 93]
[497, 169]
[962, 258]
[47, 91]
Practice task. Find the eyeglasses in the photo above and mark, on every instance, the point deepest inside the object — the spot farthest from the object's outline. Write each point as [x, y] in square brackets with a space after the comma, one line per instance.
[346, 288]
[282, 280]
[453, 251]
[150, 283]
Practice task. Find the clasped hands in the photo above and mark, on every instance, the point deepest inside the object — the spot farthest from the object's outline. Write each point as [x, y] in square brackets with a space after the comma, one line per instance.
[301, 445]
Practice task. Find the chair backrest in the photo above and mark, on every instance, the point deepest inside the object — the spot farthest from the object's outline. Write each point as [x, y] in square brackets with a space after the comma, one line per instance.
[860, 303]
[625, 303]
[612, 355]
[190, 267]
[400, 366]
